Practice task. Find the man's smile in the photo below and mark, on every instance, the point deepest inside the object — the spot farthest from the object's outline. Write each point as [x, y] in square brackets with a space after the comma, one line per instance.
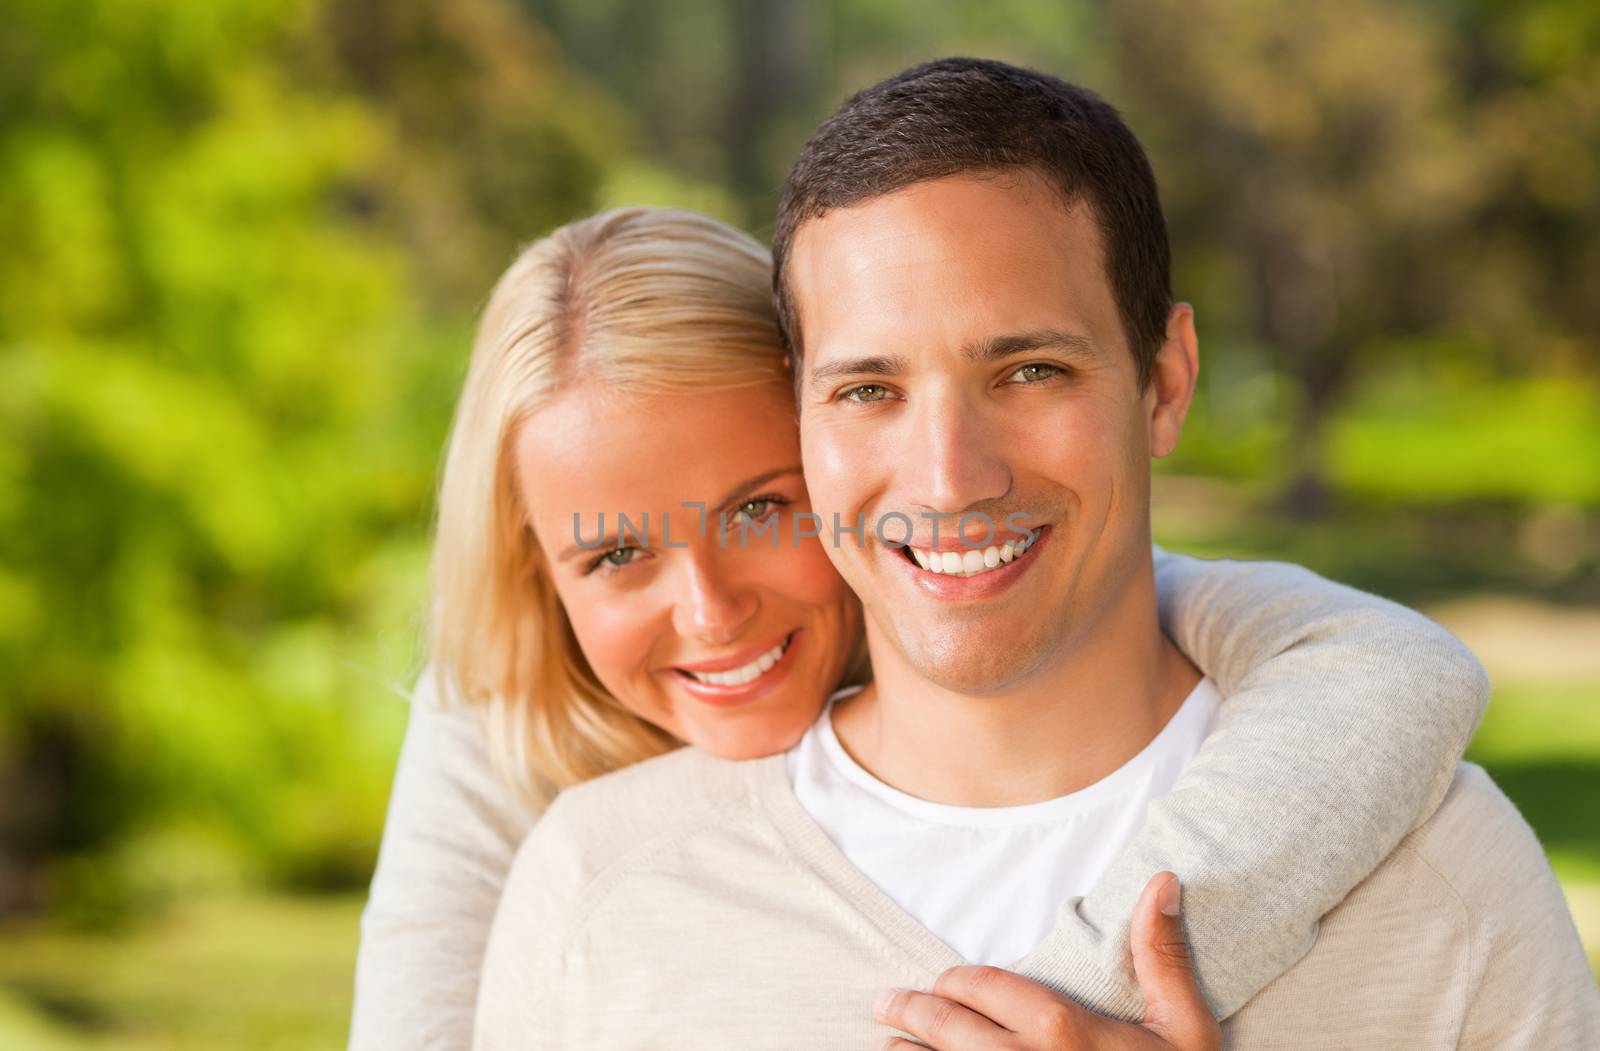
[968, 561]
[974, 573]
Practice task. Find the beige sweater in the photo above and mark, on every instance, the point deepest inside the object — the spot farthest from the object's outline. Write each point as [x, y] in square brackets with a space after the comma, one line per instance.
[692, 903]
[1344, 718]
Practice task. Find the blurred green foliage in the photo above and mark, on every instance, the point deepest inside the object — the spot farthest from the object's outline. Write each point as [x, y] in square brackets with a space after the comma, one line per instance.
[231, 339]
[244, 240]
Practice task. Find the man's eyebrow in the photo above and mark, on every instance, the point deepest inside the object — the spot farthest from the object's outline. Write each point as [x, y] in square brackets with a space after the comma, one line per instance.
[997, 347]
[993, 348]
[611, 541]
[875, 366]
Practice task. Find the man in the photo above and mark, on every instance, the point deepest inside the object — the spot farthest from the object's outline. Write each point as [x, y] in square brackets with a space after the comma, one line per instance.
[972, 273]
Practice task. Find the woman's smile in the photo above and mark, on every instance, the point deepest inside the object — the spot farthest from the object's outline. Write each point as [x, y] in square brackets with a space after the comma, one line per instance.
[741, 678]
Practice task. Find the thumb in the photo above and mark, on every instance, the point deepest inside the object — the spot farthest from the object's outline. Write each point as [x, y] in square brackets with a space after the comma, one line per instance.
[1174, 1008]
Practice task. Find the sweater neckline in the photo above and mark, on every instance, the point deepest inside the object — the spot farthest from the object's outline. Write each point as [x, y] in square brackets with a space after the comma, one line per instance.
[1048, 962]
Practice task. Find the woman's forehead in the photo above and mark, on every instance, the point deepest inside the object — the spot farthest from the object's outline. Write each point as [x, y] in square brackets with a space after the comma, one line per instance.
[590, 452]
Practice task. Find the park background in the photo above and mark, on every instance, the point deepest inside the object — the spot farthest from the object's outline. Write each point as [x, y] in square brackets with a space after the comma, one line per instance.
[243, 243]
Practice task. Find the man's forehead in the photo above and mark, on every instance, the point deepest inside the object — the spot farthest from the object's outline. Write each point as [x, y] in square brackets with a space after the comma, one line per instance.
[949, 210]
[953, 260]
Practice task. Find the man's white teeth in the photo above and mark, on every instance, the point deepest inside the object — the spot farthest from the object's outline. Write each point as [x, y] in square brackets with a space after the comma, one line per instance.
[971, 562]
[747, 673]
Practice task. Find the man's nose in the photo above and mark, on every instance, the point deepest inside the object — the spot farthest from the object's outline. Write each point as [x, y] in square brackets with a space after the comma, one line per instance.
[713, 606]
[957, 457]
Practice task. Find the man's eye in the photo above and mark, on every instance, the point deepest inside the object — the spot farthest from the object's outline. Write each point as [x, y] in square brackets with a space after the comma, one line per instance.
[615, 558]
[867, 392]
[1035, 372]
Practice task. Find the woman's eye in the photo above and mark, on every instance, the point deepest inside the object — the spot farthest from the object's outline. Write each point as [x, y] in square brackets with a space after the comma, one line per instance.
[1035, 372]
[615, 558]
[867, 392]
[753, 510]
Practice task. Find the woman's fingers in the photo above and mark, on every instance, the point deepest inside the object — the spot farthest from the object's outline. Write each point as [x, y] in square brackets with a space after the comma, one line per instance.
[1175, 1009]
[936, 1021]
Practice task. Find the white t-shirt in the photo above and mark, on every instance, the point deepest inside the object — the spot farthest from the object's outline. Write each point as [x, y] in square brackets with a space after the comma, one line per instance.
[989, 880]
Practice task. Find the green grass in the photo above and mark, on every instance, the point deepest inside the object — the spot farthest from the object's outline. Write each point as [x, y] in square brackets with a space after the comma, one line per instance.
[255, 973]
[1419, 440]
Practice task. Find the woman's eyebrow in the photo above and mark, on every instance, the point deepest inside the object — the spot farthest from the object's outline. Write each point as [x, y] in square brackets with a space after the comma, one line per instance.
[611, 541]
[586, 546]
[754, 482]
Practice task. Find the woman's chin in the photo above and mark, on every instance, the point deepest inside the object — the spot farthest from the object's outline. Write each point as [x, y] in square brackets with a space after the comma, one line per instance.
[745, 738]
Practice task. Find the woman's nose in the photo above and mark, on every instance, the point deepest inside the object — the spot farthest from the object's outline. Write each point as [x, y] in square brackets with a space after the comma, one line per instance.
[713, 607]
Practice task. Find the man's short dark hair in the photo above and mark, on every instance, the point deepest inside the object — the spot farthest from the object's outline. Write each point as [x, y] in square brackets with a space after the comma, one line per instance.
[968, 115]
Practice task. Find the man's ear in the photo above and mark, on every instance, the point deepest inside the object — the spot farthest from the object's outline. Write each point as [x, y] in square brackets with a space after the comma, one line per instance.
[1172, 380]
[788, 364]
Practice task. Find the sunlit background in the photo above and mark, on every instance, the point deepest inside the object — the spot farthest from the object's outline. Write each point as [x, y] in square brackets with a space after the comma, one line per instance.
[241, 244]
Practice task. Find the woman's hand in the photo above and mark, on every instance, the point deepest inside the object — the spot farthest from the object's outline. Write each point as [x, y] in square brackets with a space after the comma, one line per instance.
[989, 1009]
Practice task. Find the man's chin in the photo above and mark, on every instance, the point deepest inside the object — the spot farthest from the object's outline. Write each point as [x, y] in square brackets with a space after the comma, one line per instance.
[972, 662]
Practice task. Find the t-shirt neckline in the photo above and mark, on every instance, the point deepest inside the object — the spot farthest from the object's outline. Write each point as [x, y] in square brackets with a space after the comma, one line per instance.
[772, 794]
[1103, 792]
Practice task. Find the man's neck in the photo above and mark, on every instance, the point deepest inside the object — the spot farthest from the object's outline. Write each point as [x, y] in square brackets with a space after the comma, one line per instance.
[1079, 719]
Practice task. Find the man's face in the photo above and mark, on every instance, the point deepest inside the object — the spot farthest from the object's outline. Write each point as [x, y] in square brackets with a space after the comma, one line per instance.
[964, 356]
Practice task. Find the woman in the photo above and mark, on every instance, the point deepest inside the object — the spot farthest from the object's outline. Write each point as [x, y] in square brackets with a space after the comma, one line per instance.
[630, 362]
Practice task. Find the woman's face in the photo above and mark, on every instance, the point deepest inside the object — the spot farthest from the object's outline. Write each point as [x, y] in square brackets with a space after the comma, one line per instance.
[720, 624]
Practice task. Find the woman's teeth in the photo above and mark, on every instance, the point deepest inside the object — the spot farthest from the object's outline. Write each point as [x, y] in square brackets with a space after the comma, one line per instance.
[747, 673]
[971, 562]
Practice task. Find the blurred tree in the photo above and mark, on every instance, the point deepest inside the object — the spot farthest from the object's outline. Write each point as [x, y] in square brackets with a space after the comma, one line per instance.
[1361, 175]
[493, 139]
[773, 66]
[727, 90]
[1529, 279]
[719, 87]
[226, 367]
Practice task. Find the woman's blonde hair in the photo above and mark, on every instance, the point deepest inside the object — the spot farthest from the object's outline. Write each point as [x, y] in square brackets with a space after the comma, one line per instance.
[658, 301]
